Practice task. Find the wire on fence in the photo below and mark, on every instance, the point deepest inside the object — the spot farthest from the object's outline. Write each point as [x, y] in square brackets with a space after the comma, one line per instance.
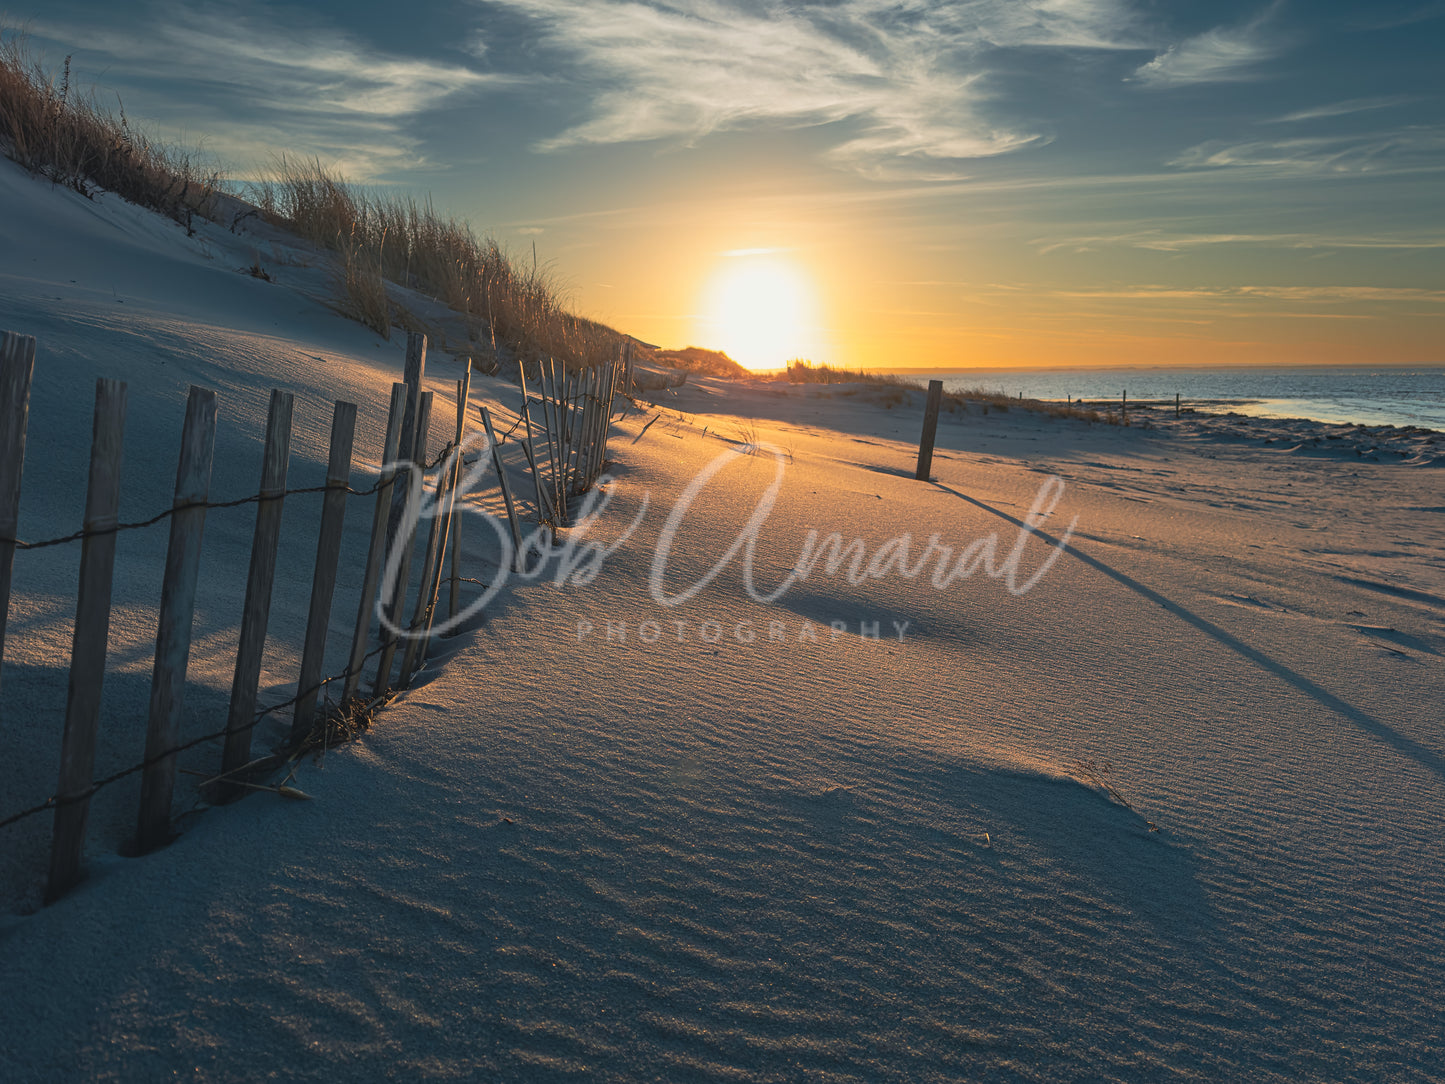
[83, 534]
[55, 800]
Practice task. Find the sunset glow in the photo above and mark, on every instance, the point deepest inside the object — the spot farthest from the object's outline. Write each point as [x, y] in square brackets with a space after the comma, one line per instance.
[760, 309]
[996, 183]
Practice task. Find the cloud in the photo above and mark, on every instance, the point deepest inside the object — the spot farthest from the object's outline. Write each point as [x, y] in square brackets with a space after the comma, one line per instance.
[1377, 19]
[1221, 55]
[1405, 150]
[1343, 109]
[905, 82]
[1159, 241]
[312, 88]
[1309, 295]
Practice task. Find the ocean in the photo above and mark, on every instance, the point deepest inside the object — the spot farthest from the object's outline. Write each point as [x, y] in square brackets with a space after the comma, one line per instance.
[1328, 394]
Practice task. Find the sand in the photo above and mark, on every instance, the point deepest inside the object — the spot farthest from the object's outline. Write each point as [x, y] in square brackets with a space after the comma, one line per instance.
[1154, 790]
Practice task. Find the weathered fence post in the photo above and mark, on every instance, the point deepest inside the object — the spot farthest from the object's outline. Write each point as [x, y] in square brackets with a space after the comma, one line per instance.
[376, 552]
[17, 364]
[328, 552]
[256, 612]
[405, 538]
[556, 437]
[626, 377]
[599, 423]
[436, 542]
[571, 428]
[531, 451]
[88, 642]
[517, 555]
[584, 429]
[412, 376]
[454, 517]
[930, 430]
[454, 599]
[178, 604]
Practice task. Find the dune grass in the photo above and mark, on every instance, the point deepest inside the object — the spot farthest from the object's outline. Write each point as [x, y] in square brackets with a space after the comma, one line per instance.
[56, 131]
[800, 371]
[695, 359]
[385, 236]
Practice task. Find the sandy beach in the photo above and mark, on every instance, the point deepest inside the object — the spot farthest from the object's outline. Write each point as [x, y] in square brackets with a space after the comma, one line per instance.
[1108, 753]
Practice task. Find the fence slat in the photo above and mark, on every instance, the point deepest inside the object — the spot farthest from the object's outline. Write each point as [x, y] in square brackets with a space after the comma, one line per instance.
[256, 612]
[455, 599]
[576, 431]
[610, 391]
[173, 635]
[543, 507]
[377, 550]
[454, 518]
[412, 376]
[89, 640]
[435, 539]
[328, 553]
[405, 537]
[17, 364]
[436, 544]
[550, 430]
[557, 437]
[594, 419]
[454, 515]
[517, 556]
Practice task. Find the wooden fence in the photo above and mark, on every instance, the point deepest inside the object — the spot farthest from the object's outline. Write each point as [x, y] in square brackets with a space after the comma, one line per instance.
[564, 440]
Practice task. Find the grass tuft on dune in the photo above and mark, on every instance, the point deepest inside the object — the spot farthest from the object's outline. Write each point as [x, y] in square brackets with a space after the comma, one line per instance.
[57, 131]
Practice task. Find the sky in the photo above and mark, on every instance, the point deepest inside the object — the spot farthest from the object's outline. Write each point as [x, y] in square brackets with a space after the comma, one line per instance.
[950, 184]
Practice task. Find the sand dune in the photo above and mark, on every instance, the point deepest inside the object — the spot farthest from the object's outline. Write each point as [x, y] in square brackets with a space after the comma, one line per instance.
[676, 822]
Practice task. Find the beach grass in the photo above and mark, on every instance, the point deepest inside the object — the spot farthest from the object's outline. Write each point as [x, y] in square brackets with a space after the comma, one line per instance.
[395, 237]
[895, 388]
[57, 131]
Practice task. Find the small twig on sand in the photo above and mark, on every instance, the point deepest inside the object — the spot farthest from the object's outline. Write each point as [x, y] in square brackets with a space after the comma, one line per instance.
[1097, 775]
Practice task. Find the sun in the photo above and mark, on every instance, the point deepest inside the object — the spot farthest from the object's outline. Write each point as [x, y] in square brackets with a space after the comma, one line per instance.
[759, 309]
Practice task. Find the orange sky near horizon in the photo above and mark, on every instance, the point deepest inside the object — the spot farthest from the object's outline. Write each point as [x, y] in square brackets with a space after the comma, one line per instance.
[927, 185]
[769, 304]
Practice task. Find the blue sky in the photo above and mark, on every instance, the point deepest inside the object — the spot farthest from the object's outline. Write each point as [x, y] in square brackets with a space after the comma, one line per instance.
[977, 182]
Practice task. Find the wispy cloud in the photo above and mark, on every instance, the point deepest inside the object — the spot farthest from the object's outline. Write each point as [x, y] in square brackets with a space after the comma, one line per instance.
[1343, 109]
[1158, 240]
[1405, 150]
[311, 87]
[1299, 294]
[1373, 19]
[1223, 55]
[907, 83]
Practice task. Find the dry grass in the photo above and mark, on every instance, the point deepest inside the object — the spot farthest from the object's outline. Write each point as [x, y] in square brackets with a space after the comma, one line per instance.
[694, 359]
[802, 371]
[805, 372]
[394, 237]
[56, 131]
[1095, 774]
[363, 291]
[997, 400]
